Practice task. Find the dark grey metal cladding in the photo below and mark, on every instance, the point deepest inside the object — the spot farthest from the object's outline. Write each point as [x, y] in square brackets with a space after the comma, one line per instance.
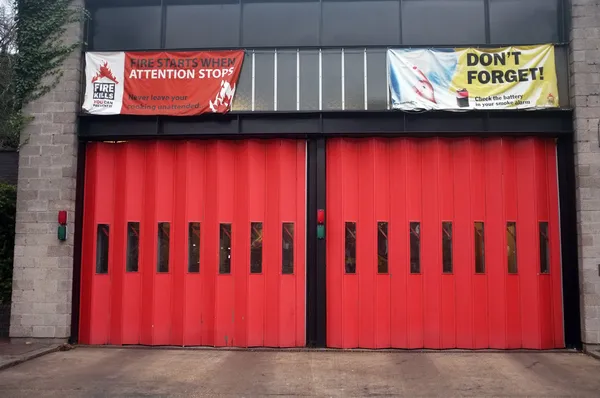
[323, 78]
[349, 123]
[196, 24]
[443, 22]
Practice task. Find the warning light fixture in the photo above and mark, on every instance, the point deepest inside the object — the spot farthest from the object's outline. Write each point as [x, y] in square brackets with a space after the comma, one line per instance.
[321, 232]
[62, 217]
[320, 216]
[320, 224]
[62, 225]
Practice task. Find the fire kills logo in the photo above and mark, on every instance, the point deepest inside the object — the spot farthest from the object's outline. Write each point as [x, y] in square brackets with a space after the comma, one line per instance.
[104, 83]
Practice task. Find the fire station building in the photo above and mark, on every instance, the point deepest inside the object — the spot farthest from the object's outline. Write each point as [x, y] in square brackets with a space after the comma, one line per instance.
[323, 173]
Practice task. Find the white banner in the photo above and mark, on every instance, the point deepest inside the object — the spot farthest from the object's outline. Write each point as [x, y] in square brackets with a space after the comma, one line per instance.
[105, 83]
[469, 78]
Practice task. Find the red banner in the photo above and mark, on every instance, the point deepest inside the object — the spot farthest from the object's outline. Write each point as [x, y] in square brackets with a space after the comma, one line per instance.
[161, 83]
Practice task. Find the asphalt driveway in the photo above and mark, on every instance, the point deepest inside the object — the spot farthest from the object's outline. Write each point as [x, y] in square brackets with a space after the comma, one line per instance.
[99, 372]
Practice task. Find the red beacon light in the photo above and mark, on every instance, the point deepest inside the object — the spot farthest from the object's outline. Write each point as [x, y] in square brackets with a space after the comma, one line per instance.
[320, 224]
[62, 217]
[320, 216]
[62, 225]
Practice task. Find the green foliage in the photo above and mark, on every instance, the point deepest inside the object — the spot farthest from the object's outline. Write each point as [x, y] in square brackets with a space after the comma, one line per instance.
[32, 52]
[11, 126]
[41, 26]
[10, 120]
[8, 200]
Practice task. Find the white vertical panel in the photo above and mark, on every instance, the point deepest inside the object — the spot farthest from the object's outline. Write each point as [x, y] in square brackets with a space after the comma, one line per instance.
[275, 80]
[298, 79]
[320, 80]
[343, 81]
[253, 79]
[366, 80]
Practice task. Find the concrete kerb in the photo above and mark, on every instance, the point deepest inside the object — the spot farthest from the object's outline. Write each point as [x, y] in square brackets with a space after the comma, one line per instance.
[8, 361]
[13, 360]
[329, 350]
[593, 352]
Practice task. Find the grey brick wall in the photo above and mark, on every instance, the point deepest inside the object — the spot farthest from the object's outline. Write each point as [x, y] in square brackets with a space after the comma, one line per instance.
[43, 266]
[585, 98]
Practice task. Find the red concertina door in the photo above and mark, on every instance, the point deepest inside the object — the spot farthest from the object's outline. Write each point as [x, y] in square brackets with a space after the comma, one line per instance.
[443, 243]
[194, 243]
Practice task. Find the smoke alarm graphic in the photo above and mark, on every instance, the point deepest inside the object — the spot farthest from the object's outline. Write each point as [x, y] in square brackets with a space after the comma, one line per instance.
[104, 83]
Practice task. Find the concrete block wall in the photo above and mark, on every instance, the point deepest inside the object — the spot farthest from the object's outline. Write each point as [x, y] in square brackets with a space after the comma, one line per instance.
[43, 266]
[585, 98]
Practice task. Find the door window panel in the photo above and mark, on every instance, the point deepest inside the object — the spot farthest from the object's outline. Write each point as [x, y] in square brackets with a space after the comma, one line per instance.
[382, 247]
[225, 249]
[194, 247]
[544, 248]
[256, 245]
[479, 248]
[102, 239]
[415, 247]
[133, 246]
[164, 237]
[447, 247]
[511, 246]
[350, 247]
[287, 255]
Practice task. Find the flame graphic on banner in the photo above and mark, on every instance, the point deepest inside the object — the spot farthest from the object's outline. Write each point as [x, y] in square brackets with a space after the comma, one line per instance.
[105, 72]
[223, 99]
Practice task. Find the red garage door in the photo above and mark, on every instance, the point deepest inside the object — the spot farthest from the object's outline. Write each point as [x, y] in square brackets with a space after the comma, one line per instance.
[194, 243]
[443, 243]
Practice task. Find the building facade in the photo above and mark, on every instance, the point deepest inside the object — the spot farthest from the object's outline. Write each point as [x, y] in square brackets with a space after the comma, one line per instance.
[313, 213]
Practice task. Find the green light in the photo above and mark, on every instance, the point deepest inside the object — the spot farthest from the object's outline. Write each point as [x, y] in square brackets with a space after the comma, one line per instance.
[62, 232]
[320, 231]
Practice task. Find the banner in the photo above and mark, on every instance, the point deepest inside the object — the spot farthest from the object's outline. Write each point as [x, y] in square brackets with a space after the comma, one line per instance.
[161, 83]
[469, 78]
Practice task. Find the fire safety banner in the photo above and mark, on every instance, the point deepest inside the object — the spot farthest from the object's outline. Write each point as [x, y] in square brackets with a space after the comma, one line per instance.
[161, 83]
[470, 78]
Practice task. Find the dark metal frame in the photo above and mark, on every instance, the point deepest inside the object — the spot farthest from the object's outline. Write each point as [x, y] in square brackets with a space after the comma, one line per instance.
[316, 284]
[317, 124]
[562, 32]
[78, 242]
[316, 127]
[568, 238]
